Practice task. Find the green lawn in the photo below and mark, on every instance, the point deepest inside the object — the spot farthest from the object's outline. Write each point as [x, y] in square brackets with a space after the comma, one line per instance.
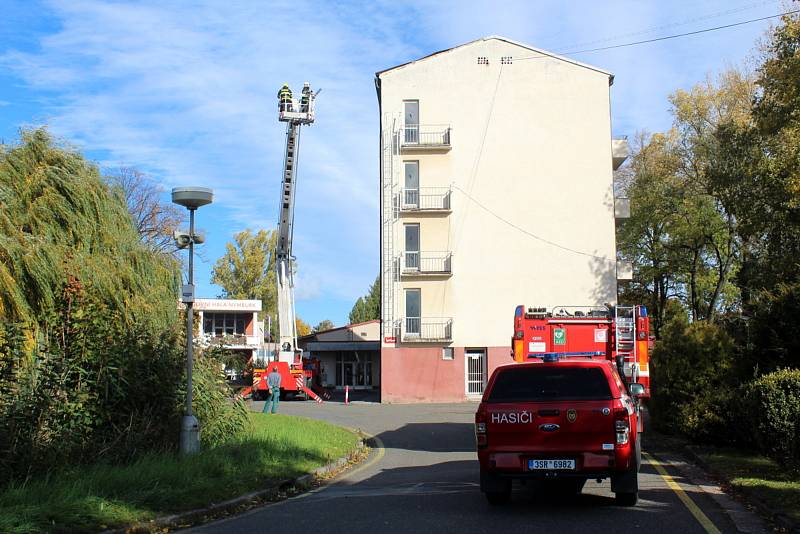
[758, 477]
[94, 497]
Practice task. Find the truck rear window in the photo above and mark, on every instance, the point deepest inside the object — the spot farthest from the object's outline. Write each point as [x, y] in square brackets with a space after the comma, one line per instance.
[550, 383]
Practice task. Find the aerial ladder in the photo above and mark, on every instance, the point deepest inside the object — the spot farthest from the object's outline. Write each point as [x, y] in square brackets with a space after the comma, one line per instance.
[296, 376]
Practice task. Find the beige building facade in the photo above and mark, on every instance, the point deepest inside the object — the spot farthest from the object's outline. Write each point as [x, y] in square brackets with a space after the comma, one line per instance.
[496, 190]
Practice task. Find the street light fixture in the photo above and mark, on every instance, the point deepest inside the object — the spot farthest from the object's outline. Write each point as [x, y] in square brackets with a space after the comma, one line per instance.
[191, 198]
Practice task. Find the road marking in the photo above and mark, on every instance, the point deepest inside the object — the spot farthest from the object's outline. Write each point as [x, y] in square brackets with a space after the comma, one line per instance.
[695, 510]
[380, 451]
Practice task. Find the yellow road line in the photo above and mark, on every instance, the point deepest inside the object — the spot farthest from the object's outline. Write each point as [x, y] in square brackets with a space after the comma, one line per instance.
[695, 510]
[380, 451]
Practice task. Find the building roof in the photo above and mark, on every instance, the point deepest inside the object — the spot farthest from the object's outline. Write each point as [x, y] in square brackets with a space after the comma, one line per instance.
[517, 43]
[347, 326]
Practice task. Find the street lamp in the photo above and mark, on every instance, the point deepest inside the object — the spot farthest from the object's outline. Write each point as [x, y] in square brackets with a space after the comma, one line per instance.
[191, 198]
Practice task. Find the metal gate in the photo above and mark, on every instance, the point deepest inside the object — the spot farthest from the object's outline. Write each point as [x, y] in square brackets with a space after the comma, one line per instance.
[476, 371]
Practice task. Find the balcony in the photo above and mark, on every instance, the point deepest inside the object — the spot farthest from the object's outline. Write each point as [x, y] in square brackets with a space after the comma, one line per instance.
[426, 264]
[624, 270]
[425, 329]
[622, 208]
[231, 340]
[430, 199]
[619, 152]
[425, 138]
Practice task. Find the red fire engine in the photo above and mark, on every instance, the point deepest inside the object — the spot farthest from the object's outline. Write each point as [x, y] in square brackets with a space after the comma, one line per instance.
[617, 333]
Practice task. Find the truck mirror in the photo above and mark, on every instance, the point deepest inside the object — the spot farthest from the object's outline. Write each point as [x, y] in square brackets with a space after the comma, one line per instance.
[636, 389]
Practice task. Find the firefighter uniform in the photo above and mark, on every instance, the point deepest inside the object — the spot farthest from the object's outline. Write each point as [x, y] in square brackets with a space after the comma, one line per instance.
[305, 98]
[285, 98]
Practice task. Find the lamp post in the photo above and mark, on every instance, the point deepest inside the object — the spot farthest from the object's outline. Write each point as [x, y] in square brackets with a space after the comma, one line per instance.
[191, 198]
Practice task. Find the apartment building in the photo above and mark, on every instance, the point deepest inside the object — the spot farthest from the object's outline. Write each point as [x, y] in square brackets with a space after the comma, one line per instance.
[496, 190]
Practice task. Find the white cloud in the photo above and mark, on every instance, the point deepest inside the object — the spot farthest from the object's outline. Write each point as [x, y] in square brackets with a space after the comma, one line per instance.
[186, 90]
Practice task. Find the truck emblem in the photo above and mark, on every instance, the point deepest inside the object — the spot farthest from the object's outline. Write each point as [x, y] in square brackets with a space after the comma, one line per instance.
[572, 415]
[549, 427]
[606, 411]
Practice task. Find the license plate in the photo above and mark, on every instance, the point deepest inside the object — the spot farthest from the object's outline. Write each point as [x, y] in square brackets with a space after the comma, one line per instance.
[550, 465]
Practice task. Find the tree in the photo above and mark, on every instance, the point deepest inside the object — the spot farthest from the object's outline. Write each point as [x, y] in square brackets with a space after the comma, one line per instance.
[368, 307]
[247, 270]
[324, 325]
[154, 220]
[303, 328]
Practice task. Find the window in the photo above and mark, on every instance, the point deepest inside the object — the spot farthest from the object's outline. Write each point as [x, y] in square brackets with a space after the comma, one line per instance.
[411, 247]
[447, 353]
[411, 185]
[550, 383]
[411, 119]
[225, 324]
[413, 311]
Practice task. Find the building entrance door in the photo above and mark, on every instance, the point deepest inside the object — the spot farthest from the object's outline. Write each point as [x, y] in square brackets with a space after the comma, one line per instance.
[475, 365]
[354, 371]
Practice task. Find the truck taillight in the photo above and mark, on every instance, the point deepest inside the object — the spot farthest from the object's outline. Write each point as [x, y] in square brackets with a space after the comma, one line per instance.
[480, 435]
[622, 426]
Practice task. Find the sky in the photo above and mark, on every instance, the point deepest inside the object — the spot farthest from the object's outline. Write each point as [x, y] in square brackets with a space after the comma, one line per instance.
[186, 92]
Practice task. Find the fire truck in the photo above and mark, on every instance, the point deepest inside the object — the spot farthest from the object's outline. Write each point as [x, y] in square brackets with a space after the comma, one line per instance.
[299, 375]
[620, 334]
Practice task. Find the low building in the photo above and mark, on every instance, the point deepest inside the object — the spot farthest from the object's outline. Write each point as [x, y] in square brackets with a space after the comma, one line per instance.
[233, 325]
[349, 355]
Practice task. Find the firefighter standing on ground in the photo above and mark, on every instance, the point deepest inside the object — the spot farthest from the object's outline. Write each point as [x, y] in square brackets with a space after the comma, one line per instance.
[274, 385]
[285, 98]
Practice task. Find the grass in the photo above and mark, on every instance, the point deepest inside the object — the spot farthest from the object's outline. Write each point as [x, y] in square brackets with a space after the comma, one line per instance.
[758, 477]
[102, 496]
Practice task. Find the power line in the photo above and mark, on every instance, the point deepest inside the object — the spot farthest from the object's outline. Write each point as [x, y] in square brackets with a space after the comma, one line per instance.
[530, 234]
[665, 38]
[671, 25]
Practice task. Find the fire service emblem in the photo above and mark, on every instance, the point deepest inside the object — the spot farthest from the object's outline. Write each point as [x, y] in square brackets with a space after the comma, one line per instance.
[572, 415]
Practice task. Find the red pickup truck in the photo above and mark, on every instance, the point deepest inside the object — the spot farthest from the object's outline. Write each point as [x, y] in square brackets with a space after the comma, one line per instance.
[561, 420]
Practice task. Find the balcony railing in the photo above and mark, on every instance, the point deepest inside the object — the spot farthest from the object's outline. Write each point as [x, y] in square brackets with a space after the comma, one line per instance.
[425, 329]
[230, 340]
[425, 199]
[427, 263]
[416, 136]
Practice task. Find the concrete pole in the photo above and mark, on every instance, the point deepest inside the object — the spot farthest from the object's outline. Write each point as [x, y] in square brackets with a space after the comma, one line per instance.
[190, 427]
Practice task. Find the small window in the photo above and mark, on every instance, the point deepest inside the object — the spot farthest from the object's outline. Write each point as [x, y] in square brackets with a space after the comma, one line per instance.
[447, 353]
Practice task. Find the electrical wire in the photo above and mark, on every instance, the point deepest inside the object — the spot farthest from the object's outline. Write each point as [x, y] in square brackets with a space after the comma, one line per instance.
[665, 38]
[530, 234]
[670, 25]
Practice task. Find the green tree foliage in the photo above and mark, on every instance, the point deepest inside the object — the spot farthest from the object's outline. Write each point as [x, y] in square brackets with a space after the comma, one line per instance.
[723, 227]
[368, 307]
[247, 270]
[324, 325]
[91, 356]
[770, 410]
[681, 237]
[690, 373]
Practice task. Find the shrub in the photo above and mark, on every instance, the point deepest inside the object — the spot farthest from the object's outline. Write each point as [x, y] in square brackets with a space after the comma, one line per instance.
[771, 410]
[220, 413]
[691, 377]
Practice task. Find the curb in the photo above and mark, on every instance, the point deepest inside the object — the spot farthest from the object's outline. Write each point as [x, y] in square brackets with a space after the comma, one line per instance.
[288, 487]
[780, 519]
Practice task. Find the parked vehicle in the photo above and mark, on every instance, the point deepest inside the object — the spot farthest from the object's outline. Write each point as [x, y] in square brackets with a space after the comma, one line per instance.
[568, 409]
[560, 420]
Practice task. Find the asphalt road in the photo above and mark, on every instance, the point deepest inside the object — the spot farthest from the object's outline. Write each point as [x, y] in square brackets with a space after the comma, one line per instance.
[425, 479]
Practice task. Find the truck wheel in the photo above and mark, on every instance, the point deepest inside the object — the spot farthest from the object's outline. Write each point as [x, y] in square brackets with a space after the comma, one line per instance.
[497, 498]
[626, 499]
[256, 395]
